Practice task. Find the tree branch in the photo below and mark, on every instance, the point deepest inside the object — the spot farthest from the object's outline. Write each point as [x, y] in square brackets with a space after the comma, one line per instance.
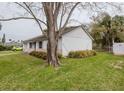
[62, 15]
[35, 18]
[66, 22]
[18, 18]
[23, 7]
[56, 13]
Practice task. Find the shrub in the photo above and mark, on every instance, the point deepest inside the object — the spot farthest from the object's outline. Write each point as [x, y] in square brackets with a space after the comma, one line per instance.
[81, 54]
[3, 48]
[41, 54]
[59, 55]
[9, 47]
[17, 48]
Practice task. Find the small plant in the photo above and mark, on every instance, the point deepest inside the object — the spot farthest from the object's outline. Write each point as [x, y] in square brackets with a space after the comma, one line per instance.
[37, 54]
[41, 54]
[81, 54]
[5, 48]
[60, 55]
[2, 48]
[17, 48]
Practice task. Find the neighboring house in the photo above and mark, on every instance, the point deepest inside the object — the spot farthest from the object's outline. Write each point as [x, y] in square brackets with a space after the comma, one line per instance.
[14, 43]
[72, 39]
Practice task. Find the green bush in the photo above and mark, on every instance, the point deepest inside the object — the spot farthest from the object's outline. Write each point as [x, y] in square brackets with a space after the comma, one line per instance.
[81, 54]
[2, 48]
[9, 47]
[41, 54]
[5, 48]
[59, 55]
[17, 48]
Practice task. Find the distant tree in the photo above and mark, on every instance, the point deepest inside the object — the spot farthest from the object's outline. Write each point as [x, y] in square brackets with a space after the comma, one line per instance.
[106, 29]
[3, 39]
[101, 29]
[118, 28]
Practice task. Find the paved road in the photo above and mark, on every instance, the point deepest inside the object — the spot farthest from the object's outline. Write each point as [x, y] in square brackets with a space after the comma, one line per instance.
[7, 54]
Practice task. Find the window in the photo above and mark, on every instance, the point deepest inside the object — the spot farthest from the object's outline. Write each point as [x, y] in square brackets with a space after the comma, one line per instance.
[40, 44]
[30, 45]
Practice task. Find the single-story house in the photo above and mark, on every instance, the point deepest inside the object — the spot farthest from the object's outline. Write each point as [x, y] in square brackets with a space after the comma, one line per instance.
[72, 39]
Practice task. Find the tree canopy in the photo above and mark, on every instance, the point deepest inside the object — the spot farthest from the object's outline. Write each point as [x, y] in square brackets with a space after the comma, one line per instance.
[106, 29]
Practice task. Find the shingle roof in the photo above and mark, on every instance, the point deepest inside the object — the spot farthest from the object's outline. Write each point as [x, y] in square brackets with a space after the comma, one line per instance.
[67, 29]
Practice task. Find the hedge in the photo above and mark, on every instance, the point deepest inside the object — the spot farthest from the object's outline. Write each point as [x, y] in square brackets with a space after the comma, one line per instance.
[3, 48]
[81, 54]
[41, 54]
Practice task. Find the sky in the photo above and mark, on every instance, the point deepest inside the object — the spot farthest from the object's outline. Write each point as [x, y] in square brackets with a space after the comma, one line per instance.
[25, 29]
[19, 29]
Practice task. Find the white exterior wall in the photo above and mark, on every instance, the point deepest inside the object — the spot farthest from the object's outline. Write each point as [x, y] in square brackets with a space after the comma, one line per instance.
[118, 48]
[76, 40]
[37, 45]
[60, 46]
[27, 49]
[44, 45]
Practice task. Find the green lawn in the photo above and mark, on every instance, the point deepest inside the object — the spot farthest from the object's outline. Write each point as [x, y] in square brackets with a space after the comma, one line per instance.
[23, 72]
[5, 52]
[8, 52]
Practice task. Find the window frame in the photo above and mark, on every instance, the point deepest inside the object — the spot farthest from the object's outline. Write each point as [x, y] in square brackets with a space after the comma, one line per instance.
[40, 44]
[30, 44]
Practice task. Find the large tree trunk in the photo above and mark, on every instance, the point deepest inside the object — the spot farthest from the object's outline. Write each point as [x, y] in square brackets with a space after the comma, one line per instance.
[52, 42]
[52, 47]
[52, 56]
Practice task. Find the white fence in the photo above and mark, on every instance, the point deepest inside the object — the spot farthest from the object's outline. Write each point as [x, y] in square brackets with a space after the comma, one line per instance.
[118, 48]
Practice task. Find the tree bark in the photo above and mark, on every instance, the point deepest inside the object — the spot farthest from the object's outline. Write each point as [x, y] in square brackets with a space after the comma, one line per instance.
[52, 46]
[52, 55]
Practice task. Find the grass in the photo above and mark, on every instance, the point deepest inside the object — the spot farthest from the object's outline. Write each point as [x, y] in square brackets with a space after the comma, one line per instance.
[24, 72]
[7, 52]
